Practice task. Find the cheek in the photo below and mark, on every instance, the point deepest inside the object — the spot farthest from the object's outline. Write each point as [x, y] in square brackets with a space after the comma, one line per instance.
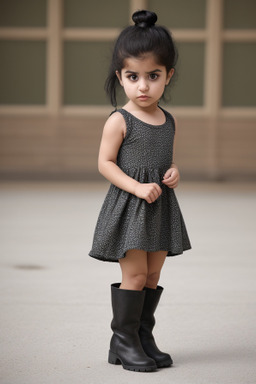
[160, 87]
[127, 87]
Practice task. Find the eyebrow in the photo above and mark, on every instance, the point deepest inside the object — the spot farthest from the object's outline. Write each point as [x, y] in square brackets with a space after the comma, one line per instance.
[136, 73]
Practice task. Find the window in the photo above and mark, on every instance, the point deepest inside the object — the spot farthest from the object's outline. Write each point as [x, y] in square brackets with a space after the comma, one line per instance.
[239, 54]
[55, 53]
[25, 13]
[180, 14]
[239, 75]
[23, 72]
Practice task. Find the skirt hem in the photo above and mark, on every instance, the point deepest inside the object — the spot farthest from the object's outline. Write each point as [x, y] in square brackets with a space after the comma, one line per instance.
[169, 254]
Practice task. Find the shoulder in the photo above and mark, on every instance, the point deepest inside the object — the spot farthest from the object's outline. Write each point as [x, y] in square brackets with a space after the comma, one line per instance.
[116, 118]
[115, 124]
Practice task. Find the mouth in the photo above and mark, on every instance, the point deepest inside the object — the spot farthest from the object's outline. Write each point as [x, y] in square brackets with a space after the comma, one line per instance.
[143, 97]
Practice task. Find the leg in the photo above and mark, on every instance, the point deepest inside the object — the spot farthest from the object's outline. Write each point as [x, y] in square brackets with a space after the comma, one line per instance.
[125, 345]
[147, 321]
[155, 263]
[127, 304]
[134, 270]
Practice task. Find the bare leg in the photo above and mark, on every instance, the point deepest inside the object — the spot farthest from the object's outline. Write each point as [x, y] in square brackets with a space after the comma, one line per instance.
[155, 263]
[140, 269]
[134, 270]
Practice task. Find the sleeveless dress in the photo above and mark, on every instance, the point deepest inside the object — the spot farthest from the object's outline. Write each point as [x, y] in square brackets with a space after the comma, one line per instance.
[128, 222]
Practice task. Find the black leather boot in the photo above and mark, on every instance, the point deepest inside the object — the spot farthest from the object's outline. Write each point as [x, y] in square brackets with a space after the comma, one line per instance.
[125, 345]
[147, 323]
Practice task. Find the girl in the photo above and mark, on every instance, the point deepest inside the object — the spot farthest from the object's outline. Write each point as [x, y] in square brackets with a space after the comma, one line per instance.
[140, 222]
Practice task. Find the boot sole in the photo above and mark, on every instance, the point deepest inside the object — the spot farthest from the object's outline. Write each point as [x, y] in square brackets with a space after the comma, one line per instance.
[164, 364]
[113, 358]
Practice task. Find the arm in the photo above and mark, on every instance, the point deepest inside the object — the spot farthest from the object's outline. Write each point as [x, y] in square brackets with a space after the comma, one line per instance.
[172, 175]
[112, 138]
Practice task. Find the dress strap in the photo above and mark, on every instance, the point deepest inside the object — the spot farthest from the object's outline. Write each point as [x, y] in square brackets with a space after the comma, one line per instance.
[128, 120]
[168, 115]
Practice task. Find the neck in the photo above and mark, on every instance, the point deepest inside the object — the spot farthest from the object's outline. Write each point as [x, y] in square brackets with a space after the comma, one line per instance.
[132, 107]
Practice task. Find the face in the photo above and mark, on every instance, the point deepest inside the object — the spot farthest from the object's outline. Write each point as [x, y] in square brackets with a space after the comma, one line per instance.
[144, 80]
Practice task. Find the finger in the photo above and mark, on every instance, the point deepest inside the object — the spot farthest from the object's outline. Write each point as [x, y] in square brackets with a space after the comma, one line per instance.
[168, 173]
[171, 183]
[167, 181]
[175, 183]
[158, 189]
[149, 200]
[155, 192]
[174, 177]
[154, 196]
[151, 196]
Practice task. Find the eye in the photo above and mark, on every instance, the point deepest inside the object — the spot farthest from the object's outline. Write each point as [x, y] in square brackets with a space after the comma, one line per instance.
[153, 76]
[133, 77]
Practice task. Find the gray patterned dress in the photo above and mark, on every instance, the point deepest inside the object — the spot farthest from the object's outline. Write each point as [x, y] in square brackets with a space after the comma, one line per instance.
[128, 222]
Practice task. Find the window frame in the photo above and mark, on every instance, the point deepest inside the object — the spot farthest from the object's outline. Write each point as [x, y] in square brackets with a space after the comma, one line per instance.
[214, 36]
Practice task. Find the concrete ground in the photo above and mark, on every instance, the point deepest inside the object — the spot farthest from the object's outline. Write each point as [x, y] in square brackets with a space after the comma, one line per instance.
[55, 300]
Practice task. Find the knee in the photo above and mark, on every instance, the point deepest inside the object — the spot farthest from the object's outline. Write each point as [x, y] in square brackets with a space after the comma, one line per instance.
[135, 282]
[152, 280]
[139, 281]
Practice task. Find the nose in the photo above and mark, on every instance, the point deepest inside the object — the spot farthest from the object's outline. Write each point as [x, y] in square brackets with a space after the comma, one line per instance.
[143, 85]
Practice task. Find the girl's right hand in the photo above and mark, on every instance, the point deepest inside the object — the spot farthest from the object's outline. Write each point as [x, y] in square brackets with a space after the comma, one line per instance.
[148, 191]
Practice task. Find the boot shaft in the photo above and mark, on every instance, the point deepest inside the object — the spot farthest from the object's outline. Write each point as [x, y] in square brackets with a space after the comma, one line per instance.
[125, 345]
[127, 308]
[152, 297]
[147, 323]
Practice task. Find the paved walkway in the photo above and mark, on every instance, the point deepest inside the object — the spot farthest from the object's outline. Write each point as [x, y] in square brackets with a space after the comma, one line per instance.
[55, 300]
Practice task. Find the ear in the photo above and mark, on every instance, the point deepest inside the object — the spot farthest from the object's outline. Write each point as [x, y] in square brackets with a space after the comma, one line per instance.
[169, 76]
[119, 78]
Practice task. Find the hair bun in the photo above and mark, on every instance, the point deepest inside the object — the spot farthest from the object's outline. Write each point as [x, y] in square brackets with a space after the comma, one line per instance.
[144, 19]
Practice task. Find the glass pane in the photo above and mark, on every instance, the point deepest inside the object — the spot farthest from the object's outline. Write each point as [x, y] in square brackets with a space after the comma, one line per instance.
[85, 71]
[22, 72]
[187, 88]
[239, 14]
[239, 75]
[179, 13]
[23, 13]
[104, 14]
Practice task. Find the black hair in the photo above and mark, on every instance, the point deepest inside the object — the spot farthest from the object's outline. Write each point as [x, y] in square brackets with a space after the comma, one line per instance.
[135, 41]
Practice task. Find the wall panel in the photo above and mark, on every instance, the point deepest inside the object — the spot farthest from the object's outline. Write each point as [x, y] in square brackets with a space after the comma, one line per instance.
[44, 147]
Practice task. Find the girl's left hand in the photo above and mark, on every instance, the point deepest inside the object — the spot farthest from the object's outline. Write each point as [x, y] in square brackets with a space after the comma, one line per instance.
[171, 177]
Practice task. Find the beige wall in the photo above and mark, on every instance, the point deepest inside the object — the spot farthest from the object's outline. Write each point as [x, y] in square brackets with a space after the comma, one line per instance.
[67, 147]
